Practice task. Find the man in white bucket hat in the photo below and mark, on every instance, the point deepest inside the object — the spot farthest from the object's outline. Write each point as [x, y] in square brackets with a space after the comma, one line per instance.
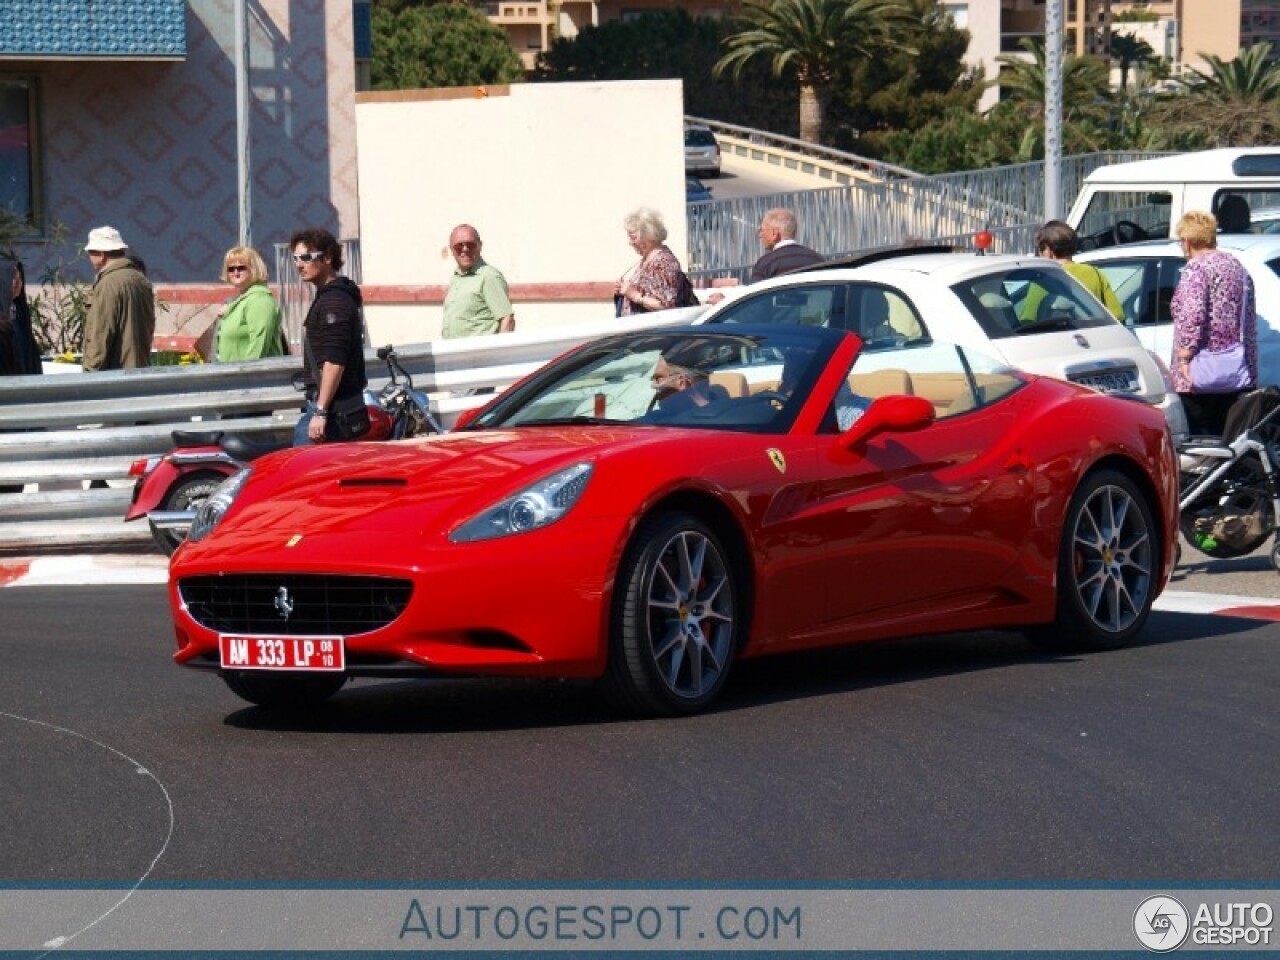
[122, 306]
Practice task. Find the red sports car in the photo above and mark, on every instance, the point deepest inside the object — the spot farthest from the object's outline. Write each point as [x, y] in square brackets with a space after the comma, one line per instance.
[654, 505]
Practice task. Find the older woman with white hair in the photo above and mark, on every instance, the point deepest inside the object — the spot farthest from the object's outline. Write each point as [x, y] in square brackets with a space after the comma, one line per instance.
[656, 282]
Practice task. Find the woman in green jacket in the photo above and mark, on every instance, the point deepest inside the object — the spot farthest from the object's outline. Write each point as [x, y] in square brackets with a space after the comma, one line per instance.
[250, 325]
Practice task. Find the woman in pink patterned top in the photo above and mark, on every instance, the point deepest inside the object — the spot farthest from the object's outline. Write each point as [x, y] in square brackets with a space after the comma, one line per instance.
[1213, 308]
[654, 283]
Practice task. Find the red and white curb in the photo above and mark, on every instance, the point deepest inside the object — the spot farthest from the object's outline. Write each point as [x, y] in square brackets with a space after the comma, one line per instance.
[1219, 604]
[123, 569]
[92, 570]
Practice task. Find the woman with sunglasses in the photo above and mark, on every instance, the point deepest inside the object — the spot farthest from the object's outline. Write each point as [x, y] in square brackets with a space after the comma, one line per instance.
[250, 327]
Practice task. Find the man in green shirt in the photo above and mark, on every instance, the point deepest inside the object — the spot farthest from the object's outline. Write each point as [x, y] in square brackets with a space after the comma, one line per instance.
[477, 302]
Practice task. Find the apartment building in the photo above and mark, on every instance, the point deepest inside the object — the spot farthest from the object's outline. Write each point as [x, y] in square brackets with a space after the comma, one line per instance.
[532, 25]
[1224, 27]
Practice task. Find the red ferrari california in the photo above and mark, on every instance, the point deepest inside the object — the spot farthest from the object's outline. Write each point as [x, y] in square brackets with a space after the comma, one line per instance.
[655, 505]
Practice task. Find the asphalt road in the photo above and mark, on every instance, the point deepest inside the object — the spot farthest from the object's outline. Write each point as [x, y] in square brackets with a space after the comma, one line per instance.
[971, 759]
[743, 178]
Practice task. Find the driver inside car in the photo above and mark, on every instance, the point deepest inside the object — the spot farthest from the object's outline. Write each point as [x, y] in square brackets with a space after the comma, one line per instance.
[679, 389]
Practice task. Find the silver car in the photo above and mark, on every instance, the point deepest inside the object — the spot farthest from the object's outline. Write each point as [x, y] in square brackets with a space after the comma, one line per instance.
[701, 152]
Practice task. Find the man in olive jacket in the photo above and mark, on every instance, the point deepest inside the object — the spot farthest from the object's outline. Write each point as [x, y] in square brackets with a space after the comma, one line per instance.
[122, 306]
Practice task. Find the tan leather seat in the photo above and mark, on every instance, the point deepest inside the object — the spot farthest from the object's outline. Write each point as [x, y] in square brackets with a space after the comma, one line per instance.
[881, 383]
[734, 384]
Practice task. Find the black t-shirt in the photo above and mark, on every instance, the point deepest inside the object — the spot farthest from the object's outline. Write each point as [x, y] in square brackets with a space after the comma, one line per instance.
[335, 334]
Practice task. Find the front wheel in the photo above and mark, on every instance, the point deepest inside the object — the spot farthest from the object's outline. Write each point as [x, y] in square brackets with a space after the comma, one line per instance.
[1107, 565]
[283, 690]
[676, 621]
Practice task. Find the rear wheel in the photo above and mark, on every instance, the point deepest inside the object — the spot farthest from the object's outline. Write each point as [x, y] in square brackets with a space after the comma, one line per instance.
[676, 619]
[187, 494]
[1107, 565]
[283, 691]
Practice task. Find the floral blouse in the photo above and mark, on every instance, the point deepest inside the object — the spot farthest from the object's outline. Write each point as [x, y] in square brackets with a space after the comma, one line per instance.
[1207, 307]
[657, 276]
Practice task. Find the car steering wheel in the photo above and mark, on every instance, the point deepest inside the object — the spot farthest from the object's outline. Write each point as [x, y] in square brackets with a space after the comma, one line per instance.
[1126, 231]
[779, 400]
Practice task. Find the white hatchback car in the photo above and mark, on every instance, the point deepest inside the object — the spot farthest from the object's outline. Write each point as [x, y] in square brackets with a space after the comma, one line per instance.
[904, 298]
[1144, 276]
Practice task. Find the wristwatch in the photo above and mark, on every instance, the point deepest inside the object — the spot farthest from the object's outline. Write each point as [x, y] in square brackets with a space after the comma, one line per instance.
[320, 412]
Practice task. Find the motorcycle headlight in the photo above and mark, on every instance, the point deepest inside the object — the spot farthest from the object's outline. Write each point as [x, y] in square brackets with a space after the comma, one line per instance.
[536, 506]
[219, 502]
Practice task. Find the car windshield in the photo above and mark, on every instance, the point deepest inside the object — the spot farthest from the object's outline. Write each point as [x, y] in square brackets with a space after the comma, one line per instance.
[1027, 301]
[745, 381]
[699, 138]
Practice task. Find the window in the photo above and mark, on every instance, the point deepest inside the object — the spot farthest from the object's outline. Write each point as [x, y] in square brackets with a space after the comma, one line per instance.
[1123, 216]
[883, 318]
[1247, 211]
[1145, 287]
[1030, 301]
[954, 379]
[811, 305]
[18, 195]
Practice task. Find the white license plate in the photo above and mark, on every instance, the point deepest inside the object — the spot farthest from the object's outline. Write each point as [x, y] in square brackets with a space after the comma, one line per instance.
[1110, 381]
[281, 653]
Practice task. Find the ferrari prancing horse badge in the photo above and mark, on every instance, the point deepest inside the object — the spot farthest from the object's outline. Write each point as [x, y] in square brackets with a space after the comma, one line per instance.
[777, 459]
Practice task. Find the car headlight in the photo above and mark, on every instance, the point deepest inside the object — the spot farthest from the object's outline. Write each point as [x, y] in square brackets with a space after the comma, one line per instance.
[219, 502]
[537, 505]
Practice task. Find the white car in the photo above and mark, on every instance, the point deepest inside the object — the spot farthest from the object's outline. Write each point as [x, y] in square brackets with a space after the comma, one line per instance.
[1144, 276]
[910, 298]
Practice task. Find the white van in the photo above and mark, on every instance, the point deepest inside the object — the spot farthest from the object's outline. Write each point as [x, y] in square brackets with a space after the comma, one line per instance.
[1127, 202]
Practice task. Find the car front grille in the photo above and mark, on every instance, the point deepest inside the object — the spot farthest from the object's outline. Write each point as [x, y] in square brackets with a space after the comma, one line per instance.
[296, 605]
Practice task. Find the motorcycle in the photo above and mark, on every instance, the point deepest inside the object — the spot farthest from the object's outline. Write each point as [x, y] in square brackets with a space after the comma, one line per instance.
[1229, 489]
[169, 489]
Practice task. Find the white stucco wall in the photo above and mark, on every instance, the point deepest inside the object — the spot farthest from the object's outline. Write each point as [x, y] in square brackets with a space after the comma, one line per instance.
[545, 172]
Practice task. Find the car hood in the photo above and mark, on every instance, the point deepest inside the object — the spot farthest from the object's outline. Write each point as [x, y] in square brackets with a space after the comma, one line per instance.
[413, 486]
[1064, 354]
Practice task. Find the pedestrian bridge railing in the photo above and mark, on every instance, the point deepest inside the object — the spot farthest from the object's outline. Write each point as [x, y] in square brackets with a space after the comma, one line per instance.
[61, 433]
[889, 210]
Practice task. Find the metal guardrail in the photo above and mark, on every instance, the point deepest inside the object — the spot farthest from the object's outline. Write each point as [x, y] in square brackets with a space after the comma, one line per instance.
[63, 432]
[1008, 201]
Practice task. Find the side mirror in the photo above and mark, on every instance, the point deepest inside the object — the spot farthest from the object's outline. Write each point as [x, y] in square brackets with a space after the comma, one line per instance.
[897, 413]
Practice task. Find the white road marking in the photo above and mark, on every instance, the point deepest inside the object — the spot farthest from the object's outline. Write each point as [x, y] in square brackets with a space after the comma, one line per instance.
[56, 943]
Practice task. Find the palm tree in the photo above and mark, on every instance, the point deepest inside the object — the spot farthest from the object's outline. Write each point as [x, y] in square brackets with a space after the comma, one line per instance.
[1251, 78]
[1129, 50]
[815, 38]
[1085, 84]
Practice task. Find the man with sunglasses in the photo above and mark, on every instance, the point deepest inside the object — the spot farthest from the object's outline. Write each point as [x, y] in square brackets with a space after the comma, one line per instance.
[332, 344]
[477, 302]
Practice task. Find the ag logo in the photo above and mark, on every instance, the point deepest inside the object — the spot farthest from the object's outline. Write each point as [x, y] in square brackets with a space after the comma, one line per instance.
[1161, 924]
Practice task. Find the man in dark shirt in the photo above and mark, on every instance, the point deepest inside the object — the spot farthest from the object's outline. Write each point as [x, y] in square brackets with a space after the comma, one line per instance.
[782, 253]
[333, 341]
